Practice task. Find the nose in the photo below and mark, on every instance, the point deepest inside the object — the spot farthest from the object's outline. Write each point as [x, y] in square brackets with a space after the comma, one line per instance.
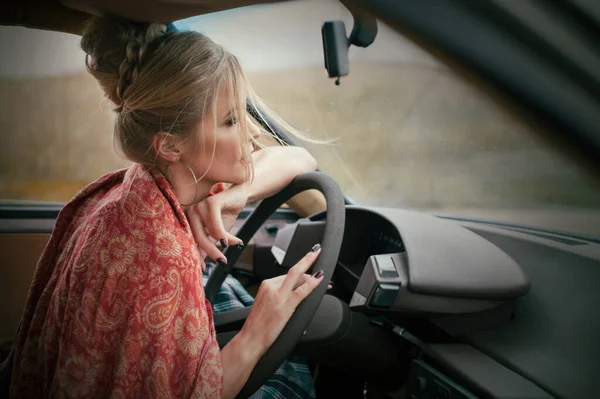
[253, 129]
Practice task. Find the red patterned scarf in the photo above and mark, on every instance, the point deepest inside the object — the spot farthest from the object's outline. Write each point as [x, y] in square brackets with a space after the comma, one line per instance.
[116, 307]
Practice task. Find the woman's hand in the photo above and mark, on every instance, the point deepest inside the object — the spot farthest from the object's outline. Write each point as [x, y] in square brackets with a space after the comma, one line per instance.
[211, 219]
[277, 300]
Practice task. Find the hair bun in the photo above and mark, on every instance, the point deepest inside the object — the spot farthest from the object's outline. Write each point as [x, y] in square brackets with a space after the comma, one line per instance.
[115, 50]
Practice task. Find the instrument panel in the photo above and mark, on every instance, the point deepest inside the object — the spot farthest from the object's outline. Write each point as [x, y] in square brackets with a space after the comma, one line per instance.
[365, 234]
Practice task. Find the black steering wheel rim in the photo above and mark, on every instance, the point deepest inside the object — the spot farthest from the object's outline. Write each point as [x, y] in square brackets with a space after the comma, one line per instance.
[331, 245]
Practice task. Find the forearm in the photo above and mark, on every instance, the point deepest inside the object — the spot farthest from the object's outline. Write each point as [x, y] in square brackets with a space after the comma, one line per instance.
[276, 167]
[238, 359]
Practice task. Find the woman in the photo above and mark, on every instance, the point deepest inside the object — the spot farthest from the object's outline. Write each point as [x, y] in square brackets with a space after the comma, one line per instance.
[116, 307]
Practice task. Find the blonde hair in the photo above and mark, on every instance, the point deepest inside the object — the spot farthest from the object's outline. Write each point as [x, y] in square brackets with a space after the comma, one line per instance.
[165, 82]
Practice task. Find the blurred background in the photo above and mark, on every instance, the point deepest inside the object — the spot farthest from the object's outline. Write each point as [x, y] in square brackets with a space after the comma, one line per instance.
[410, 133]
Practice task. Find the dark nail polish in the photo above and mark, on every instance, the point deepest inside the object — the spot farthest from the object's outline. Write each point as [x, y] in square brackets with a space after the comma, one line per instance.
[318, 274]
[223, 243]
[222, 261]
[316, 247]
[239, 246]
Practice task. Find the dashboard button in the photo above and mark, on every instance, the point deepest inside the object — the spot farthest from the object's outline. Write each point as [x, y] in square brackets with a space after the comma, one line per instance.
[385, 295]
[386, 267]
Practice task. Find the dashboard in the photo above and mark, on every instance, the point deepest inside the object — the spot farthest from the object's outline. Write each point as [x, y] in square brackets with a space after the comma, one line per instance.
[397, 260]
[470, 281]
[366, 234]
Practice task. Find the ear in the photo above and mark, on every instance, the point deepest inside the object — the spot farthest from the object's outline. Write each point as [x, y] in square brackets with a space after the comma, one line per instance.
[165, 147]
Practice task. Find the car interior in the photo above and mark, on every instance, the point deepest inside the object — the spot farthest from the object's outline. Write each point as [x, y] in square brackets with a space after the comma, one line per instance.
[423, 306]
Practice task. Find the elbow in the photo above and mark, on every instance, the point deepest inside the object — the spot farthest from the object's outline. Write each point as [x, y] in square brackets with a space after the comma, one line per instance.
[305, 161]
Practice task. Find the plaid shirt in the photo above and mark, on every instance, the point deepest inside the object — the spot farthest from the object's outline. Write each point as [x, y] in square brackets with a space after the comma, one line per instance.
[292, 379]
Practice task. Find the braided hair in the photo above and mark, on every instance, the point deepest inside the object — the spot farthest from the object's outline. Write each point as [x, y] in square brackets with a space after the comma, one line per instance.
[111, 40]
[163, 80]
[158, 80]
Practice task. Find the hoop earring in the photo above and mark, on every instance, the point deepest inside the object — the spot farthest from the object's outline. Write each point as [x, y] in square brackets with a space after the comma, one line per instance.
[193, 176]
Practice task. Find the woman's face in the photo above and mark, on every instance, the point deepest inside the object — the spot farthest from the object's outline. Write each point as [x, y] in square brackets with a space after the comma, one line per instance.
[229, 164]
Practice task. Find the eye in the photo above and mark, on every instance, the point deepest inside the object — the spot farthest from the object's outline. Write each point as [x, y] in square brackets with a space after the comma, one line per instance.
[232, 121]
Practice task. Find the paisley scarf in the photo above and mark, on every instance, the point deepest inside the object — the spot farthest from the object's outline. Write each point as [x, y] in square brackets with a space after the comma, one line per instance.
[116, 307]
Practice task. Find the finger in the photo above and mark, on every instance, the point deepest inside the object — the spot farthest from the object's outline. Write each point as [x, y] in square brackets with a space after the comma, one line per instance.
[196, 226]
[203, 253]
[277, 281]
[214, 223]
[300, 268]
[305, 289]
[204, 242]
[302, 279]
[233, 240]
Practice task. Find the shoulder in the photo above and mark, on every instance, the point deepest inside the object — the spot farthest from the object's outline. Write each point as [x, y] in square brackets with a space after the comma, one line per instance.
[127, 198]
[125, 224]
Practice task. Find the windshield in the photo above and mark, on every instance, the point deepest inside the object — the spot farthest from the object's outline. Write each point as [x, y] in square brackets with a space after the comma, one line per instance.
[410, 132]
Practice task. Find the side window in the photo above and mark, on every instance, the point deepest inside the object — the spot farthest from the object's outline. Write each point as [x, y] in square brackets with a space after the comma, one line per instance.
[56, 126]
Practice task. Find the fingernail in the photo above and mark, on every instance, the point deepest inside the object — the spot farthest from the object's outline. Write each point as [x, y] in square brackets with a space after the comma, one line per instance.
[222, 261]
[316, 247]
[223, 243]
[318, 274]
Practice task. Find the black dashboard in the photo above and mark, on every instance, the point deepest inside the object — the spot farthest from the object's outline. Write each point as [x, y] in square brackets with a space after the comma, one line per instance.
[366, 234]
[464, 290]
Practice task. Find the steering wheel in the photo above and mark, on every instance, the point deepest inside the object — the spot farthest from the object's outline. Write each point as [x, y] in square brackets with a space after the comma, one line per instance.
[331, 245]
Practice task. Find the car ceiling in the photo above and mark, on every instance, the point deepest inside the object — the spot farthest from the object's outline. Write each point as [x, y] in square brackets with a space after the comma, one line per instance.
[70, 15]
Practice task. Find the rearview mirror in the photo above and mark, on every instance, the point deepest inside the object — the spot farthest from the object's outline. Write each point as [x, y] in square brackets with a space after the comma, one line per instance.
[335, 49]
[336, 44]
